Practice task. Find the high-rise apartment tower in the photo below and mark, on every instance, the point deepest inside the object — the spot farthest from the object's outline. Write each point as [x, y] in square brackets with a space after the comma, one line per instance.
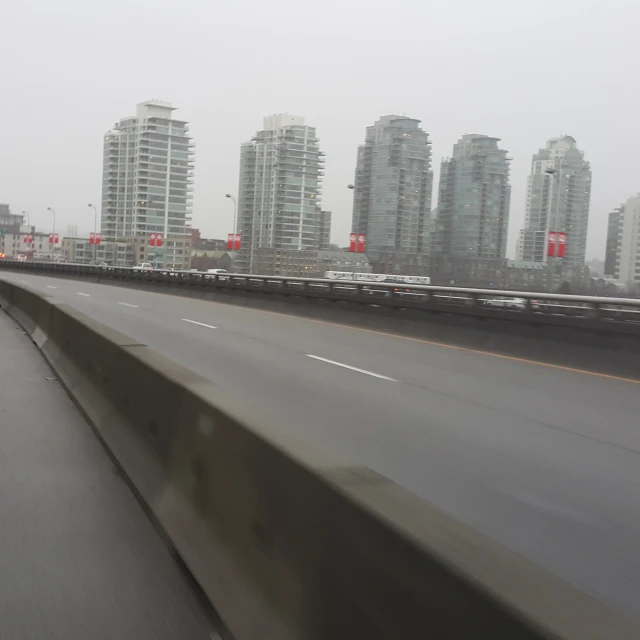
[558, 194]
[392, 190]
[281, 173]
[147, 182]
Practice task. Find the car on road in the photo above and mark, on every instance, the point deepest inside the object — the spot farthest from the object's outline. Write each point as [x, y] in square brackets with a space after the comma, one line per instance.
[144, 266]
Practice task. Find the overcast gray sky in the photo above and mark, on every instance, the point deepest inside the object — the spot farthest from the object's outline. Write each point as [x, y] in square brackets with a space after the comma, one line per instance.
[521, 71]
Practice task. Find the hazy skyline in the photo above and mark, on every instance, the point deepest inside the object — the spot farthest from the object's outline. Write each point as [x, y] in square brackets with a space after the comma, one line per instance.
[524, 74]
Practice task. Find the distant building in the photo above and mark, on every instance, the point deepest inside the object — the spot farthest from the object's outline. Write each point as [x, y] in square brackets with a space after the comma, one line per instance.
[558, 195]
[526, 275]
[13, 244]
[203, 259]
[147, 182]
[281, 173]
[627, 267]
[331, 260]
[469, 227]
[81, 251]
[208, 244]
[473, 201]
[324, 230]
[9, 222]
[308, 264]
[467, 272]
[614, 227]
[392, 190]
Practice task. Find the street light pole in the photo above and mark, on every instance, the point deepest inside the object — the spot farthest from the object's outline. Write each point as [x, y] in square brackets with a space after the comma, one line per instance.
[352, 187]
[95, 226]
[235, 218]
[235, 213]
[53, 244]
[557, 175]
[25, 214]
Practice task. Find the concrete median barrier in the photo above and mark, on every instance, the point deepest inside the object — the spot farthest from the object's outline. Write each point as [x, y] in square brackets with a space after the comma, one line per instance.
[286, 541]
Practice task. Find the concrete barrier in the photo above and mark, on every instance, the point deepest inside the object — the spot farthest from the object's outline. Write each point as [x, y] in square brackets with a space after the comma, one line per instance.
[288, 542]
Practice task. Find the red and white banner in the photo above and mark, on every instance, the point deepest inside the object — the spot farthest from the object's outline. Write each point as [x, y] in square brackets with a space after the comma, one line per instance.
[353, 238]
[55, 239]
[152, 240]
[92, 238]
[551, 246]
[361, 242]
[562, 244]
[30, 241]
[158, 239]
[97, 238]
[51, 238]
[233, 242]
[26, 239]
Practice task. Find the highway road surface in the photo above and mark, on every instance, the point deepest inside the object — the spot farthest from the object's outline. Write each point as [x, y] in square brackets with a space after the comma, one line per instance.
[543, 459]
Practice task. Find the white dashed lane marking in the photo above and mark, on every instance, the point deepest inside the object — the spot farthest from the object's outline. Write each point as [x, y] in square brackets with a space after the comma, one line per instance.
[348, 366]
[201, 324]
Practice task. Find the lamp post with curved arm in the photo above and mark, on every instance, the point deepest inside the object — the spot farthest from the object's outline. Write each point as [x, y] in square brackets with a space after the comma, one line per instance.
[53, 233]
[95, 227]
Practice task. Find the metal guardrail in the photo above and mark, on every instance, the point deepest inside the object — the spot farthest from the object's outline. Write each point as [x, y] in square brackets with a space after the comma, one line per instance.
[613, 314]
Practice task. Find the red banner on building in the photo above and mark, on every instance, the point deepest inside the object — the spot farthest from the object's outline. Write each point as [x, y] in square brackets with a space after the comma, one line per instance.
[92, 238]
[158, 239]
[562, 244]
[361, 242]
[26, 239]
[233, 242]
[55, 239]
[97, 238]
[30, 241]
[353, 238]
[551, 247]
[51, 238]
[152, 240]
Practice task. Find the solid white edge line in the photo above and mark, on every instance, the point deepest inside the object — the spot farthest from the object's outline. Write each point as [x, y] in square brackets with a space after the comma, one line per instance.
[87, 295]
[347, 366]
[202, 324]
[126, 304]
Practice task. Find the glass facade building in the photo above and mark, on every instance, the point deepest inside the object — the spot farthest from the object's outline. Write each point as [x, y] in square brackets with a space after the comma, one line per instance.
[392, 189]
[473, 201]
[147, 181]
[558, 195]
[614, 225]
[281, 174]
[627, 260]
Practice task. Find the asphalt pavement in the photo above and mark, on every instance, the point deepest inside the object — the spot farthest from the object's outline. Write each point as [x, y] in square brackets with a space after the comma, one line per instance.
[79, 559]
[543, 459]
